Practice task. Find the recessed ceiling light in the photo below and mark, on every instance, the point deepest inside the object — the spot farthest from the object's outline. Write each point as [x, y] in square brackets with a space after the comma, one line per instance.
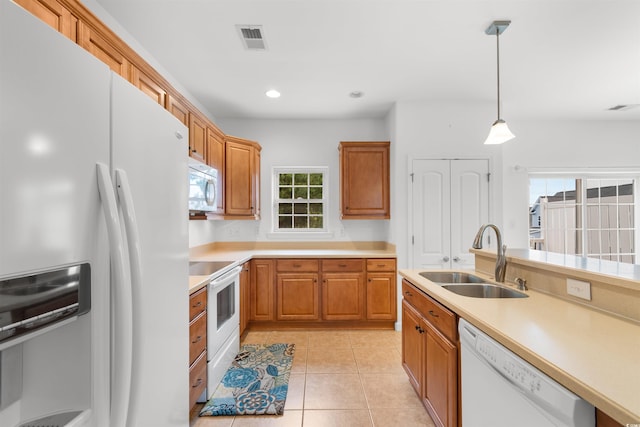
[272, 93]
[356, 94]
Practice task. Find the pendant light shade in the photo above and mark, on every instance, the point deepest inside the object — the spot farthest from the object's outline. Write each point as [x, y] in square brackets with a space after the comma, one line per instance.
[499, 132]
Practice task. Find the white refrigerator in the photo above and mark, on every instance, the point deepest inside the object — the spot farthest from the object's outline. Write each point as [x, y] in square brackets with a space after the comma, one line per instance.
[92, 170]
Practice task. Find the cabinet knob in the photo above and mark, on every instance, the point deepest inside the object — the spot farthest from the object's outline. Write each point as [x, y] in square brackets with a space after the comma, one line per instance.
[445, 258]
[417, 328]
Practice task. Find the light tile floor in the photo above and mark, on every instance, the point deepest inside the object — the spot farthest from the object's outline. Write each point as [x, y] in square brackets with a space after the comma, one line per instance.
[339, 378]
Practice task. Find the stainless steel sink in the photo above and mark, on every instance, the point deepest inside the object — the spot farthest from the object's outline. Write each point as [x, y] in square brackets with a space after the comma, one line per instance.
[483, 290]
[451, 277]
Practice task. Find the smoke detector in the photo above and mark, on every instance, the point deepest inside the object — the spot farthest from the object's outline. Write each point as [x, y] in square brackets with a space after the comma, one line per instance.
[252, 37]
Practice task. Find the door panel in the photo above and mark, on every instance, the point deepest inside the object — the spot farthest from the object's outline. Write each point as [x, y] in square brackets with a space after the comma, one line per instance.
[469, 207]
[431, 213]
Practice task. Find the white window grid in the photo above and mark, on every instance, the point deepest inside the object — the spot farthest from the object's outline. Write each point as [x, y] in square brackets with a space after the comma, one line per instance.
[297, 200]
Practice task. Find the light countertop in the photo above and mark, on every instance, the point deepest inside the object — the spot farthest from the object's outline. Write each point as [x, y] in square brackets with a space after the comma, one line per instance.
[593, 354]
[240, 252]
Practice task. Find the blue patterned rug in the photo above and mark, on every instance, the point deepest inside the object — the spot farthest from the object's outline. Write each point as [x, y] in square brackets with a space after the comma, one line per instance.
[255, 384]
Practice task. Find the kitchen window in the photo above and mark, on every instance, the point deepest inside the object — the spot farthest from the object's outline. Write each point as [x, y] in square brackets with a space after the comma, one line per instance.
[300, 199]
[593, 216]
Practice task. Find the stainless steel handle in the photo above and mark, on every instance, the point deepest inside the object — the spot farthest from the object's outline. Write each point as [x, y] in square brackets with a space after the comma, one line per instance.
[456, 259]
[433, 314]
[198, 338]
[197, 383]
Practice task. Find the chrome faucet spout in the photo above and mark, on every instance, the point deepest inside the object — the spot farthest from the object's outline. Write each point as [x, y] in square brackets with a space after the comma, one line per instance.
[501, 250]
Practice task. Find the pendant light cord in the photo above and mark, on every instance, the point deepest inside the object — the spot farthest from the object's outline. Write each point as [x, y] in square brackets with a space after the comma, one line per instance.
[498, 66]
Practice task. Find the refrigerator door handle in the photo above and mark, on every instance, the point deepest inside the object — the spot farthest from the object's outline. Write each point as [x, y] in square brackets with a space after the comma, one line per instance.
[121, 291]
[135, 265]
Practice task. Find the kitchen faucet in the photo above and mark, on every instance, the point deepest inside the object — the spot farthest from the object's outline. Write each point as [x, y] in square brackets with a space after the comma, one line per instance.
[501, 260]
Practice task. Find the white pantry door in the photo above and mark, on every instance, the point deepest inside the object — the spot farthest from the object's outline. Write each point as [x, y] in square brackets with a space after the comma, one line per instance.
[450, 201]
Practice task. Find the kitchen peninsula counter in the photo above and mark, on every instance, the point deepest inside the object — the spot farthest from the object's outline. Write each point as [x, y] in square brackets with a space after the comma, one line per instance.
[240, 252]
[593, 353]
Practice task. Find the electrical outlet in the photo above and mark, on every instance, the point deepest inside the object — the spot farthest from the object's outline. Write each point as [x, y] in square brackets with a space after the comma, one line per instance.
[579, 289]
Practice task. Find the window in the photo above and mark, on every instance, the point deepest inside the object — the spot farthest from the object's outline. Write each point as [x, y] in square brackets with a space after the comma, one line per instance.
[300, 199]
[592, 216]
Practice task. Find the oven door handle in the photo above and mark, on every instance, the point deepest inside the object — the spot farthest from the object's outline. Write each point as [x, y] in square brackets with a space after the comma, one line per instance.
[224, 279]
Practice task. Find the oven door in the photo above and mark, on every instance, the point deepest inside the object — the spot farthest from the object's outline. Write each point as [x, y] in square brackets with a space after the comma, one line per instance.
[223, 308]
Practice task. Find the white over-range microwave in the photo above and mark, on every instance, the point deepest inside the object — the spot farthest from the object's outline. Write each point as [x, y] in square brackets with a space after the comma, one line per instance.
[203, 187]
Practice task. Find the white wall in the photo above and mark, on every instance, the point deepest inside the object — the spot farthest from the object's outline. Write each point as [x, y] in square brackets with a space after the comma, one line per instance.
[560, 144]
[300, 143]
[437, 131]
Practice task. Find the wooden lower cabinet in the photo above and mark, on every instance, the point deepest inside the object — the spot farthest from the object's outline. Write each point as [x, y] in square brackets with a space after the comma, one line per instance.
[262, 290]
[307, 292]
[245, 296]
[430, 354]
[604, 420]
[343, 296]
[297, 296]
[440, 390]
[197, 344]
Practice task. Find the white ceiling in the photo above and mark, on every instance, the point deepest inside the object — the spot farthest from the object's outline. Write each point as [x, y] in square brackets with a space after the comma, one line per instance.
[567, 59]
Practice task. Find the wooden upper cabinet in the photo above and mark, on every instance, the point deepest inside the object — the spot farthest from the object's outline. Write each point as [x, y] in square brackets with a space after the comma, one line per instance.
[197, 137]
[149, 86]
[178, 109]
[215, 159]
[103, 49]
[364, 180]
[54, 14]
[241, 171]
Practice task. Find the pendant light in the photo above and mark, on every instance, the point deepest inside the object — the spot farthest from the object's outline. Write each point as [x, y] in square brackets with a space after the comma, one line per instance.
[499, 132]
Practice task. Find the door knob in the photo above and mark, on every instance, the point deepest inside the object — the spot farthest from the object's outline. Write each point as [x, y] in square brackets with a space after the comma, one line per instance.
[445, 258]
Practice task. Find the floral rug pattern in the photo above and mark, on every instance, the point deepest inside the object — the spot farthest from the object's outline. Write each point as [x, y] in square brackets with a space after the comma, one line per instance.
[255, 384]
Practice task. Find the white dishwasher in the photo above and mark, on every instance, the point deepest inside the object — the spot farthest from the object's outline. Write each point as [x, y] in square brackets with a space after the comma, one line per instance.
[499, 389]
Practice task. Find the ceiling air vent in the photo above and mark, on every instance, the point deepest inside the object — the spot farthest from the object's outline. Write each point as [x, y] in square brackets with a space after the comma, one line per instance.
[251, 36]
[623, 107]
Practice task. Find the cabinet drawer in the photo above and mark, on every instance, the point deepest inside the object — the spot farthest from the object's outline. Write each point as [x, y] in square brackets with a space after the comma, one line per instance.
[293, 265]
[197, 336]
[197, 378]
[197, 303]
[350, 265]
[438, 315]
[381, 264]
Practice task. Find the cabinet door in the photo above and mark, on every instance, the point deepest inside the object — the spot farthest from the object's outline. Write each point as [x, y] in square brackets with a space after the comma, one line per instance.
[215, 159]
[245, 302]
[255, 179]
[197, 137]
[381, 296]
[364, 180]
[100, 47]
[178, 109]
[54, 14]
[412, 346]
[343, 296]
[239, 180]
[147, 85]
[262, 290]
[440, 391]
[297, 296]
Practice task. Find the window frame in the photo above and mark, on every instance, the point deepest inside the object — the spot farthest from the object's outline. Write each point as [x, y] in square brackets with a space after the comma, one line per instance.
[275, 197]
[586, 176]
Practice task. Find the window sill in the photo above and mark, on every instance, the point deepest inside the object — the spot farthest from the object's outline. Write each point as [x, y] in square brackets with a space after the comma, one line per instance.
[323, 235]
